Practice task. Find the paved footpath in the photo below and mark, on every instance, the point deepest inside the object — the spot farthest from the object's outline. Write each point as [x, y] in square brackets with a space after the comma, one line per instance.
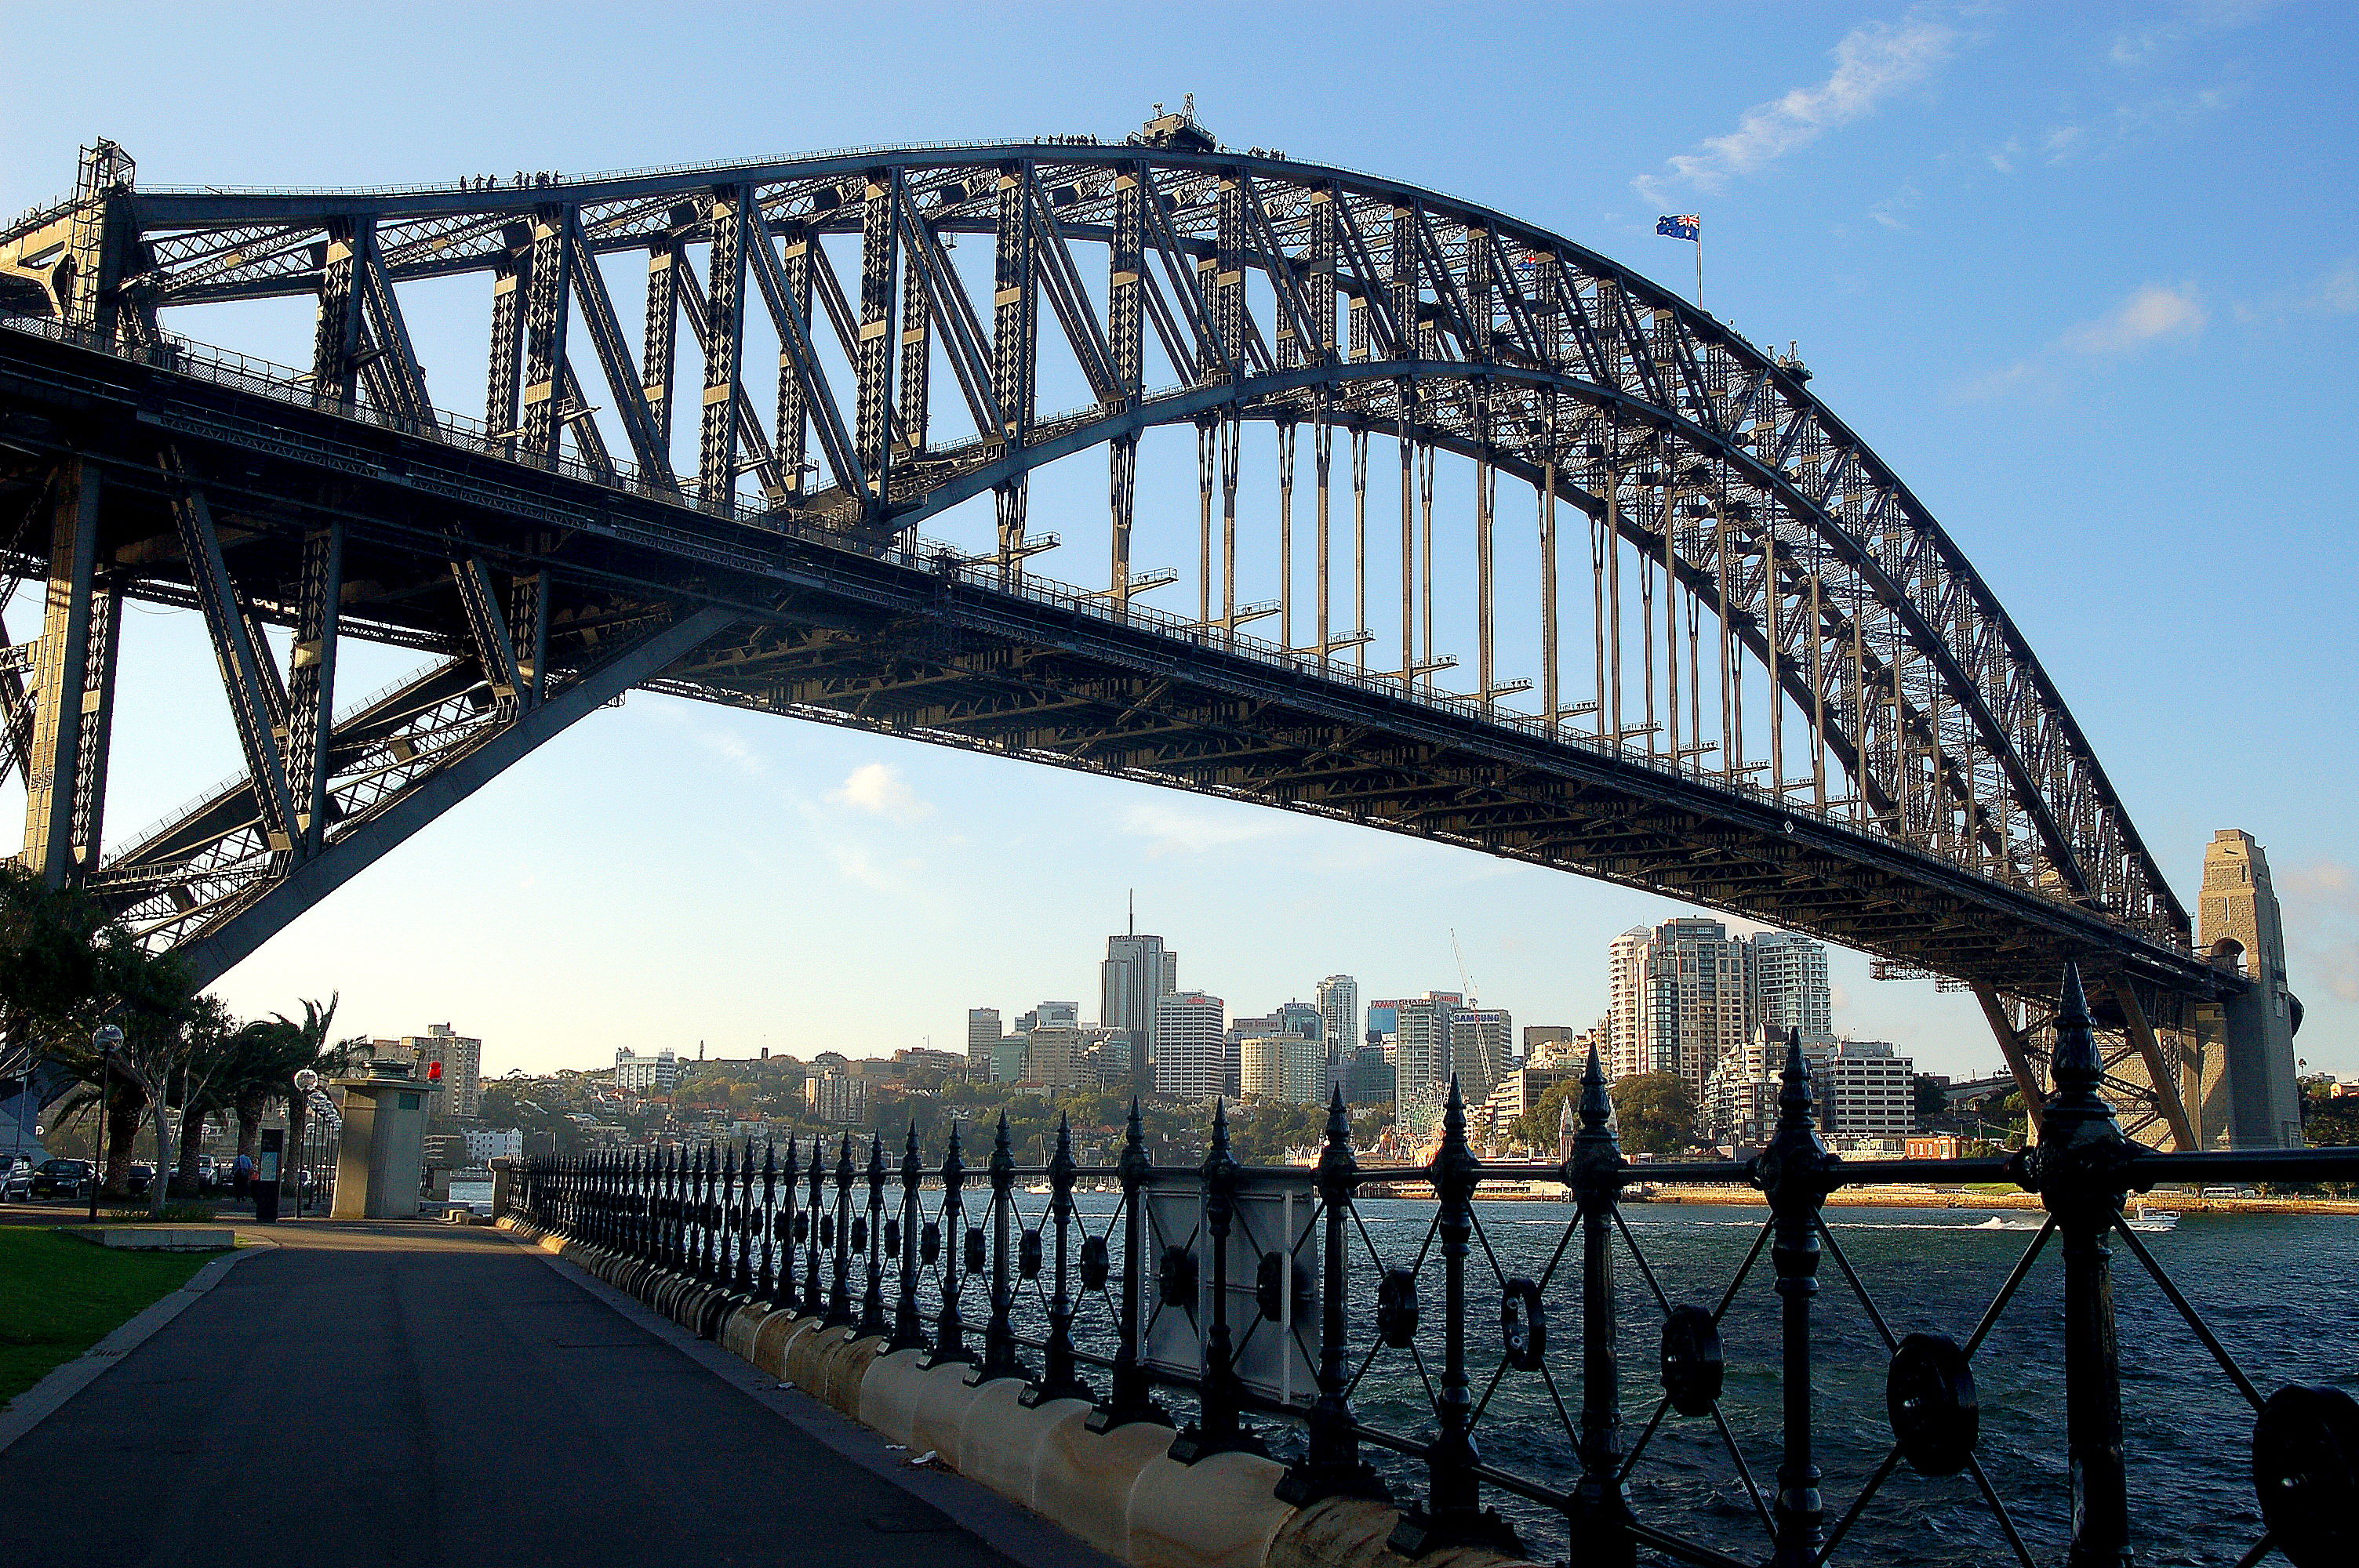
[410, 1394]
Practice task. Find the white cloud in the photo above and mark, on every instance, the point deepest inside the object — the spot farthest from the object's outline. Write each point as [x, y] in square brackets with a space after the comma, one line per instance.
[1888, 212]
[878, 789]
[2336, 293]
[1872, 64]
[2131, 121]
[2153, 312]
[2138, 45]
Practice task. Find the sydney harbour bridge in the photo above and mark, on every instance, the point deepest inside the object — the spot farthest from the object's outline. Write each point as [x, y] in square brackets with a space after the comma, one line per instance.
[1702, 642]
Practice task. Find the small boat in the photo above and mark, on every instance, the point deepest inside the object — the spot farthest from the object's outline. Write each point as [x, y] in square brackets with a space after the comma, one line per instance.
[1040, 1190]
[2144, 1219]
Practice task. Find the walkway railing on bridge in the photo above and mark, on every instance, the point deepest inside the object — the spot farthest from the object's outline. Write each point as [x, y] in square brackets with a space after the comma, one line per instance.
[1263, 1305]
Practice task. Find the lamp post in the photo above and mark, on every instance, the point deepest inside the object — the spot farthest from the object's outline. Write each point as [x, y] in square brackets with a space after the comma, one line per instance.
[306, 1080]
[108, 1039]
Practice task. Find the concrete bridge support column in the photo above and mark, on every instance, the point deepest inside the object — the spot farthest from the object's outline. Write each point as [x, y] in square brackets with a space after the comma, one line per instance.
[2250, 1098]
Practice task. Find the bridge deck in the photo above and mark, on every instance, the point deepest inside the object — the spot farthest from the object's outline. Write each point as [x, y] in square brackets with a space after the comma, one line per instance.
[932, 650]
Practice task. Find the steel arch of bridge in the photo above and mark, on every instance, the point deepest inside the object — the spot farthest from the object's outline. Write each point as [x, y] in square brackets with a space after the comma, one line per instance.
[1299, 297]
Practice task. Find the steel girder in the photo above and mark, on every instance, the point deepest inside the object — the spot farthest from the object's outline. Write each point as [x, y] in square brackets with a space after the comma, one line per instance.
[1460, 329]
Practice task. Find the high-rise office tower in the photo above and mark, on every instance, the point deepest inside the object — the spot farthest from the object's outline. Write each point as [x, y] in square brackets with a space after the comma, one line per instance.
[1422, 1061]
[1482, 1052]
[1302, 1018]
[982, 1039]
[1193, 1056]
[1339, 1016]
[1678, 1000]
[1786, 984]
[1137, 972]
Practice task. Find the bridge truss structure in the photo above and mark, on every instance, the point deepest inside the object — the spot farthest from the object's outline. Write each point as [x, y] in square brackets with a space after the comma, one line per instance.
[1719, 650]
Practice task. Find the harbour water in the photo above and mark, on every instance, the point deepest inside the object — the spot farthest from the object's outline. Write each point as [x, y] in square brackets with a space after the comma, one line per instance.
[2282, 1294]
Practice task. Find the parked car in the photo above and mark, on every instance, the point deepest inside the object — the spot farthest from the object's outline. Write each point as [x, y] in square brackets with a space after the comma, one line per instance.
[15, 1177]
[60, 1178]
[209, 1172]
[139, 1179]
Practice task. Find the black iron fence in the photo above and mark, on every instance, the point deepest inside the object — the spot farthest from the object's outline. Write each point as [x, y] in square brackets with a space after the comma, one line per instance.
[1258, 1305]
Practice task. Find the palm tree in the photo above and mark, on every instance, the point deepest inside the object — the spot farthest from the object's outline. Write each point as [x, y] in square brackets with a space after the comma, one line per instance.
[308, 1041]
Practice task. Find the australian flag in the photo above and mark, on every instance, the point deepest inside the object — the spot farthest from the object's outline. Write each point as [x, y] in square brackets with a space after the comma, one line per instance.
[1689, 226]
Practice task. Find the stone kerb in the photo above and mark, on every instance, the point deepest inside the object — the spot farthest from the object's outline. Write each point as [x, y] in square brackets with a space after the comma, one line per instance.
[1085, 1479]
[1119, 1491]
[743, 1326]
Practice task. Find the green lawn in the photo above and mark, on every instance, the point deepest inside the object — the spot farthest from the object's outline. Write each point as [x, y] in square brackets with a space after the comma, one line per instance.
[60, 1296]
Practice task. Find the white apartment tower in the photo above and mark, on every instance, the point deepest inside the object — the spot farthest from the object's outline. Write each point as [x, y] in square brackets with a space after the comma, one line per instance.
[1193, 1058]
[1339, 1016]
[1678, 999]
[655, 1074]
[1786, 984]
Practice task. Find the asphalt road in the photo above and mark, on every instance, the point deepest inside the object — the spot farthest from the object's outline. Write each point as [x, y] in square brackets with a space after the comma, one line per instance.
[414, 1395]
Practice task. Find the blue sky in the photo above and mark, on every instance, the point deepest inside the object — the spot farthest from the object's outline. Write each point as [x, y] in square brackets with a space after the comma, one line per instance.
[2087, 276]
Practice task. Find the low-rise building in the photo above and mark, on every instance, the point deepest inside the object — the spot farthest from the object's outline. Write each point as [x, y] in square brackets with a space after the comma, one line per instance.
[922, 1059]
[1519, 1092]
[486, 1144]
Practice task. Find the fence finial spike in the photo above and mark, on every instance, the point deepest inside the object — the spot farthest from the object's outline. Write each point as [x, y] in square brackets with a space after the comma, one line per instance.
[1795, 1099]
[2075, 1066]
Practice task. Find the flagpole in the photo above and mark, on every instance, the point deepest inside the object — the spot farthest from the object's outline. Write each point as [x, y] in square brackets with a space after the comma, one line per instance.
[1699, 266]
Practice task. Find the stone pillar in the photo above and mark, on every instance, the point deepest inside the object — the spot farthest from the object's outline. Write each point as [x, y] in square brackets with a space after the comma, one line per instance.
[2248, 1098]
[378, 1156]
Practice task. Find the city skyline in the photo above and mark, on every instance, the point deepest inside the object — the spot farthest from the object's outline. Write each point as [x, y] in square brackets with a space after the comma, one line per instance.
[1993, 265]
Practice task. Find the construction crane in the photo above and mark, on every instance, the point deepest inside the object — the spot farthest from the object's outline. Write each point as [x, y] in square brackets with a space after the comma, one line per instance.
[1465, 981]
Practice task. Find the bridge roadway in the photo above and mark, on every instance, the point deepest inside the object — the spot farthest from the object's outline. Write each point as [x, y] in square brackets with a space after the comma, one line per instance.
[641, 591]
[380, 1395]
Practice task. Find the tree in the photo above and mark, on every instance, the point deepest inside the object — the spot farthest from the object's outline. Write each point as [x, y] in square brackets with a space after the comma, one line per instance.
[1654, 1113]
[1539, 1126]
[306, 1044]
[2327, 1121]
[48, 964]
